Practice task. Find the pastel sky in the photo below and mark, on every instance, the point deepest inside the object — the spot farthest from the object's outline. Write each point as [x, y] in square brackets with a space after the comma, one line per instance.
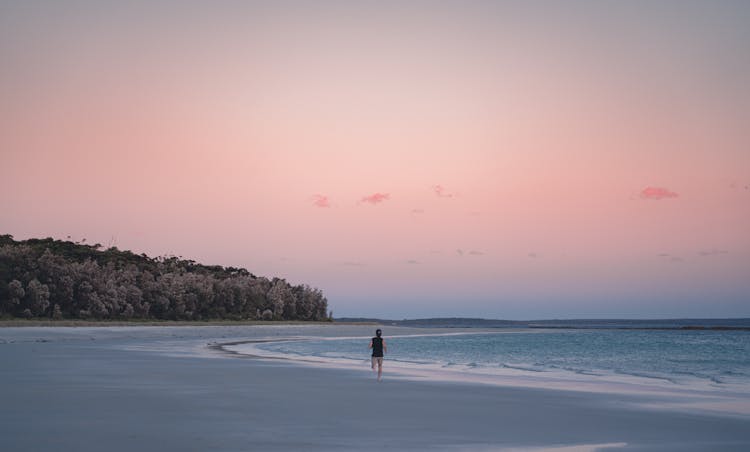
[512, 160]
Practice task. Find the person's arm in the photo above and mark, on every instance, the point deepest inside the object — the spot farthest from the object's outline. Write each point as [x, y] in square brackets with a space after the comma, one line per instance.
[385, 349]
[370, 346]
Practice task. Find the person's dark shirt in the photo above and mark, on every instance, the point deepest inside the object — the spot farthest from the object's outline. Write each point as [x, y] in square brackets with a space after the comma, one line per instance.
[377, 347]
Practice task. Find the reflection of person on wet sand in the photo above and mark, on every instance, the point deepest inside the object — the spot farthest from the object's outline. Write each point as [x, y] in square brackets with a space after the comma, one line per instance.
[377, 344]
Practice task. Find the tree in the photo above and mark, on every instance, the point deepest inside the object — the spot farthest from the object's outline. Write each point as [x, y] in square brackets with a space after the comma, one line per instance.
[37, 297]
[57, 313]
[84, 281]
[16, 292]
[282, 299]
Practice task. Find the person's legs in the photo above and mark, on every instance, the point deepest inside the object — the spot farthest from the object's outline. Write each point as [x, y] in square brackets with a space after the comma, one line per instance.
[374, 360]
[380, 368]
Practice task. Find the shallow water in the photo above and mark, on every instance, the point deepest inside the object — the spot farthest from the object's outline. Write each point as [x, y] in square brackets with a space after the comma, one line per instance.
[717, 359]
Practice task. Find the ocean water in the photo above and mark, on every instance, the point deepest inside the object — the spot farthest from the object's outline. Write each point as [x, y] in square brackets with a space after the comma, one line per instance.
[710, 359]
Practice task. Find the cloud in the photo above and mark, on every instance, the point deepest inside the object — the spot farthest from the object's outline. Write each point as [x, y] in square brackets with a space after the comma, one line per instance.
[417, 211]
[351, 264]
[657, 193]
[376, 198]
[671, 258]
[412, 261]
[321, 201]
[532, 255]
[441, 192]
[461, 252]
[706, 253]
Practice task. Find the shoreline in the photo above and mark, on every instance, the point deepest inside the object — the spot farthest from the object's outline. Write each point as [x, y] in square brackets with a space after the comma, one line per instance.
[719, 402]
[72, 323]
[18, 322]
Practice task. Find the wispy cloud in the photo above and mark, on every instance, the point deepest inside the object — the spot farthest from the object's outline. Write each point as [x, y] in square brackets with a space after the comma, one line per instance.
[657, 193]
[321, 201]
[671, 258]
[461, 252]
[441, 192]
[351, 264]
[412, 262]
[532, 255]
[706, 253]
[376, 198]
[417, 211]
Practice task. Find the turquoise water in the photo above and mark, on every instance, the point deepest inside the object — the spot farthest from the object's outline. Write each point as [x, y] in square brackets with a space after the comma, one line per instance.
[717, 358]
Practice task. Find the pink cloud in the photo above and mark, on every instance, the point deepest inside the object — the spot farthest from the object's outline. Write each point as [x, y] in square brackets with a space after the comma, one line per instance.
[657, 193]
[376, 198]
[440, 191]
[321, 201]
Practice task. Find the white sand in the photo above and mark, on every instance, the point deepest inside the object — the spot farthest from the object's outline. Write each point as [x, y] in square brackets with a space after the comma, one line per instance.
[163, 389]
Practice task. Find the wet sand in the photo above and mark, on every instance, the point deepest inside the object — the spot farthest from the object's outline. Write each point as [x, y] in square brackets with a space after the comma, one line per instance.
[166, 389]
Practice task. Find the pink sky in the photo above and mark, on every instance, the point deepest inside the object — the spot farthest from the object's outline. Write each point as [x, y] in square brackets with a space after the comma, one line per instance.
[411, 161]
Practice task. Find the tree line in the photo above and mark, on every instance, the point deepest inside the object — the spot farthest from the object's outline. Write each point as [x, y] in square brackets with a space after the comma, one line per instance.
[47, 278]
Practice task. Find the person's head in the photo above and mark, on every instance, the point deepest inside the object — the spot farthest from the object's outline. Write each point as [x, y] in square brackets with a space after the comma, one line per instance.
[378, 332]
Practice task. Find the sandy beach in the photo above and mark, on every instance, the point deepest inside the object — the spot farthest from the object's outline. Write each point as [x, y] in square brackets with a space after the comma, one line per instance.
[173, 389]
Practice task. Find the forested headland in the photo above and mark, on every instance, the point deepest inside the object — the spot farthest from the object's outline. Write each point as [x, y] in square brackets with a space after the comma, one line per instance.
[55, 279]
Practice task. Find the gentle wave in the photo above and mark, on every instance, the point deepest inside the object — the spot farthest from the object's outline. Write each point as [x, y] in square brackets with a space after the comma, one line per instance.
[692, 359]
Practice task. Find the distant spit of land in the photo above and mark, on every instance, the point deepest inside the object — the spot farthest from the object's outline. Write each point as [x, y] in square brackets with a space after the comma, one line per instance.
[660, 324]
[728, 324]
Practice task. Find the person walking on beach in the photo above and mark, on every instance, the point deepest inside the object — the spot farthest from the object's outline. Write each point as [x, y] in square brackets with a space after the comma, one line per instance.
[377, 344]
